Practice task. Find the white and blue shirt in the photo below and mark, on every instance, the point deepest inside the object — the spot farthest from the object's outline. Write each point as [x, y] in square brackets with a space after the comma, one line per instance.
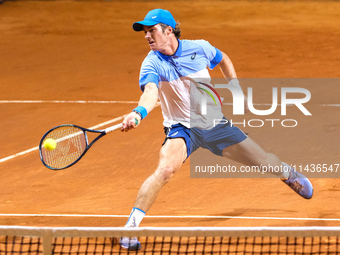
[171, 73]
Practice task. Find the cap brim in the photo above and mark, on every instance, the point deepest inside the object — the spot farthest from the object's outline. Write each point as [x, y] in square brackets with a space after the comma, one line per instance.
[138, 26]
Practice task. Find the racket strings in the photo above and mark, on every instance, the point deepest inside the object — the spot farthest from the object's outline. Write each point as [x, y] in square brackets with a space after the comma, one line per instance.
[71, 144]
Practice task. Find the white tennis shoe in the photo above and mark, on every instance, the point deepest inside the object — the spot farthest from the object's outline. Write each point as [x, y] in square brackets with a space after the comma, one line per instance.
[300, 184]
[130, 243]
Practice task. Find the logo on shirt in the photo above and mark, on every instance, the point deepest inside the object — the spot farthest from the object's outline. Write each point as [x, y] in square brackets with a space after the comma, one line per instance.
[193, 56]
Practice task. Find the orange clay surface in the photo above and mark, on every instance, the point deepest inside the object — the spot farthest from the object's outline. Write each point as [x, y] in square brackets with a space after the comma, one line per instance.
[87, 50]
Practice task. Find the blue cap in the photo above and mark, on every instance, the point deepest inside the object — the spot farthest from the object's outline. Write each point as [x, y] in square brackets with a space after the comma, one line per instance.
[154, 17]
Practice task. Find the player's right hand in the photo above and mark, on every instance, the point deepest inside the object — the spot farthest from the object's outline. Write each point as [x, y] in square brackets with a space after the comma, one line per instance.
[130, 121]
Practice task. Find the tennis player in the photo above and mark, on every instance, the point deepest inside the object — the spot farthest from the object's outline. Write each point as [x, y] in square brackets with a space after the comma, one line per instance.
[164, 75]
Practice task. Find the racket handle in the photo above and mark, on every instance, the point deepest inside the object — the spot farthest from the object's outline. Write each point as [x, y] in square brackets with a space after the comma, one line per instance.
[110, 129]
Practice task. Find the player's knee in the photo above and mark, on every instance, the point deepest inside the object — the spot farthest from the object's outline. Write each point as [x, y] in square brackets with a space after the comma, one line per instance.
[166, 173]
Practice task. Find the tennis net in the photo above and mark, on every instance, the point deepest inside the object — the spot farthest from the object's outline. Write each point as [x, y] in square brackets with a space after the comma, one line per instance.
[170, 241]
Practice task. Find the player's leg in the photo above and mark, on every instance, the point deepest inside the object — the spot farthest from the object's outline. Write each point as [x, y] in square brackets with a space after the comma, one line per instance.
[250, 153]
[172, 155]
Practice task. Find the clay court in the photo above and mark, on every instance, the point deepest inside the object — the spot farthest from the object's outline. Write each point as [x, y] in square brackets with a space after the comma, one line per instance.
[85, 55]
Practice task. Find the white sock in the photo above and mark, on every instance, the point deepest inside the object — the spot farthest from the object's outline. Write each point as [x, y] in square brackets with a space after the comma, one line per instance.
[285, 171]
[135, 218]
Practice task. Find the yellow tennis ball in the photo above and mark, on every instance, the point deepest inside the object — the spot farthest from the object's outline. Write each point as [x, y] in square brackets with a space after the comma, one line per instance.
[50, 144]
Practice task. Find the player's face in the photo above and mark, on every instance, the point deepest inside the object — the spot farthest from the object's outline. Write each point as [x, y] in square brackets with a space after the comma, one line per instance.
[156, 38]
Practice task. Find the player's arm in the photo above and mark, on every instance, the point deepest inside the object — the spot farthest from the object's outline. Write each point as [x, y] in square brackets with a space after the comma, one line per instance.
[229, 73]
[227, 68]
[147, 103]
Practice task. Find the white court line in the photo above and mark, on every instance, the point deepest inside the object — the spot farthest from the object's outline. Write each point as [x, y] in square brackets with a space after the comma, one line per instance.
[106, 102]
[265, 104]
[64, 102]
[37, 147]
[19, 154]
[168, 216]
[335, 105]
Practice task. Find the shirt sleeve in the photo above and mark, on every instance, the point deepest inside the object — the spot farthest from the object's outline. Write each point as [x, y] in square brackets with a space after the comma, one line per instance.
[148, 74]
[213, 54]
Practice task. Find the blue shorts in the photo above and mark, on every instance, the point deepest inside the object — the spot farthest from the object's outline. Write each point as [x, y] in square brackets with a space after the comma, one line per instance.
[215, 139]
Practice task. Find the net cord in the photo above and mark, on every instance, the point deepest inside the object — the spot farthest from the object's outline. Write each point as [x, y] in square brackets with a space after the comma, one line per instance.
[169, 231]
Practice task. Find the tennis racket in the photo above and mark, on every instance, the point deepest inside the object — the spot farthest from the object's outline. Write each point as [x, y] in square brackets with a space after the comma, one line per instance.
[71, 144]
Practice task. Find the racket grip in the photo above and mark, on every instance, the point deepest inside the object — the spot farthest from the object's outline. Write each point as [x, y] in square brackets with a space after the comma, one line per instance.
[120, 125]
[110, 129]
